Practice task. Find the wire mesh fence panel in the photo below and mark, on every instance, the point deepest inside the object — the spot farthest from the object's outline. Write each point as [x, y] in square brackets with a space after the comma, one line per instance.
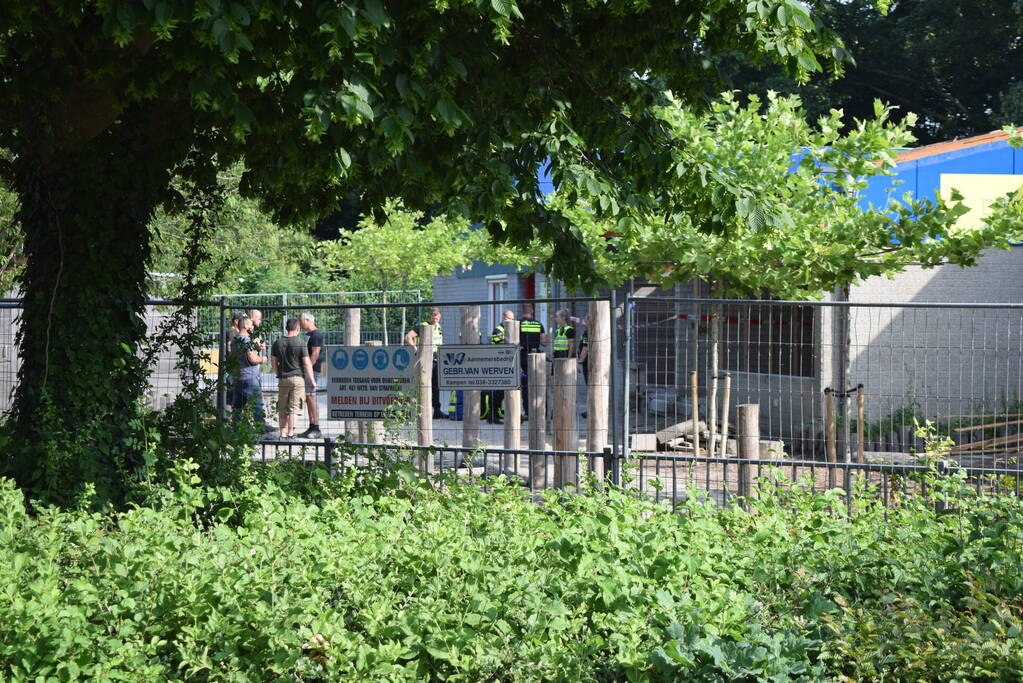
[712, 393]
[10, 311]
[848, 382]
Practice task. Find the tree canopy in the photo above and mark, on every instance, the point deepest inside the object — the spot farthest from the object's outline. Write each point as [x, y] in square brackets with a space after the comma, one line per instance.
[958, 64]
[801, 231]
[451, 103]
[457, 101]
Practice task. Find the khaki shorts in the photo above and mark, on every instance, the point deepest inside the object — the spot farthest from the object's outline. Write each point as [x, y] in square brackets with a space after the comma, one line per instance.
[290, 394]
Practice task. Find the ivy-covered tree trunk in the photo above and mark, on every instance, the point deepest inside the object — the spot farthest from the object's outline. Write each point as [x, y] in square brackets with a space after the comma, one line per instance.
[85, 214]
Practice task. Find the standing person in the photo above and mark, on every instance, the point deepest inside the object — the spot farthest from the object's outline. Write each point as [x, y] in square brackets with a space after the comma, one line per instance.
[235, 327]
[493, 401]
[314, 343]
[564, 336]
[532, 336]
[247, 386]
[257, 318]
[412, 338]
[291, 362]
[232, 331]
[584, 352]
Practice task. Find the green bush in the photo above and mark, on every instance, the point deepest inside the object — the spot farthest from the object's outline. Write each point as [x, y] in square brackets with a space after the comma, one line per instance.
[295, 576]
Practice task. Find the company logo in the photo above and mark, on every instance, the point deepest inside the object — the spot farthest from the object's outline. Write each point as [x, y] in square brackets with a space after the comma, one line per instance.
[339, 359]
[360, 359]
[454, 358]
[401, 359]
[380, 358]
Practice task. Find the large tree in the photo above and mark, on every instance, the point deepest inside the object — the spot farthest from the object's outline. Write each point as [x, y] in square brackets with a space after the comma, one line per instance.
[455, 102]
[957, 64]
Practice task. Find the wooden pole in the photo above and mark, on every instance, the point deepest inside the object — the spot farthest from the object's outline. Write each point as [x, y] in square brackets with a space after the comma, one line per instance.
[424, 385]
[471, 399]
[352, 337]
[712, 395]
[537, 371]
[830, 436]
[861, 425]
[725, 400]
[694, 393]
[598, 387]
[747, 432]
[565, 437]
[512, 407]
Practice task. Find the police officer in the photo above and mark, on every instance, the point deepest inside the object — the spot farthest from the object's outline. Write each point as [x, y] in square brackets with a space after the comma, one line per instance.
[493, 401]
[412, 338]
[564, 336]
[532, 336]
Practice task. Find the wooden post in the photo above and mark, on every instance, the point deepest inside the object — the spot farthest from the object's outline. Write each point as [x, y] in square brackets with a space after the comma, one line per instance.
[714, 329]
[471, 399]
[512, 407]
[565, 437]
[598, 385]
[537, 426]
[725, 400]
[861, 425]
[372, 432]
[830, 437]
[352, 337]
[747, 431]
[424, 385]
[694, 393]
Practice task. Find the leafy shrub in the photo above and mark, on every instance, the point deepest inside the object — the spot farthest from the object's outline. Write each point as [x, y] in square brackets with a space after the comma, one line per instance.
[293, 575]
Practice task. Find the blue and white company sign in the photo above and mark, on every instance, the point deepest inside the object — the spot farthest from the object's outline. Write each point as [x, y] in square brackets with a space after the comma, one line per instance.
[478, 367]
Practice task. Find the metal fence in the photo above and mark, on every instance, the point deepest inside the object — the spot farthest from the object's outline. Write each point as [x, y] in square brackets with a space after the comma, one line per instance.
[679, 371]
[959, 366]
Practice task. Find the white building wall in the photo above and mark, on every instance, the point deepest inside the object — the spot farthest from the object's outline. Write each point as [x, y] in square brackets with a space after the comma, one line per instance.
[950, 361]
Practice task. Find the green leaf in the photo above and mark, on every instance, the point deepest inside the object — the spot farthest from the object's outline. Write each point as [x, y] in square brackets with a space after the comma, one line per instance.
[375, 12]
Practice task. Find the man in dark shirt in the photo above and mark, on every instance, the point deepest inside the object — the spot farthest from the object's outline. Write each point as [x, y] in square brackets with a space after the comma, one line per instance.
[291, 362]
[532, 336]
[314, 342]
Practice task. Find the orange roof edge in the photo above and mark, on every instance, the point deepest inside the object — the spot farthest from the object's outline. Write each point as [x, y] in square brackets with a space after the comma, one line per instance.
[952, 145]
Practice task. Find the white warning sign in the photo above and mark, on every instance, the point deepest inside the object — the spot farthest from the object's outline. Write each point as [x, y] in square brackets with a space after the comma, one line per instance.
[478, 367]
[363, 381]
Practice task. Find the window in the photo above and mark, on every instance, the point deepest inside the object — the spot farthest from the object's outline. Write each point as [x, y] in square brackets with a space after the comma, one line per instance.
[770, 339]
[497, 290]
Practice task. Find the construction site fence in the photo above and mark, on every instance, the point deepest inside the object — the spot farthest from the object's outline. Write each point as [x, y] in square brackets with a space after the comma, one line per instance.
[844, 392]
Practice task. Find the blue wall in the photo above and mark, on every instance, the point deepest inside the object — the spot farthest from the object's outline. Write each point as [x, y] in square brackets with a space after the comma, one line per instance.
[922, 176]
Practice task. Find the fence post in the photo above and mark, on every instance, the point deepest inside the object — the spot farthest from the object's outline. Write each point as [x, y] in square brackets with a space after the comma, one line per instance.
[328, 455]
[565, 437]
[353, 337]
[616, 404]
[222, 365]
[424, 387]
[694, 396]
[471, 399]
[861, 424]
[747, 432]
[830, 436]
[725, 400]
[627, 378]
[537, 371]
[513, 407]
[598, 388]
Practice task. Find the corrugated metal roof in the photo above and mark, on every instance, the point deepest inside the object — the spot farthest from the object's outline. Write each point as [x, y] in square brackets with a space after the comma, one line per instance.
[952, 145]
